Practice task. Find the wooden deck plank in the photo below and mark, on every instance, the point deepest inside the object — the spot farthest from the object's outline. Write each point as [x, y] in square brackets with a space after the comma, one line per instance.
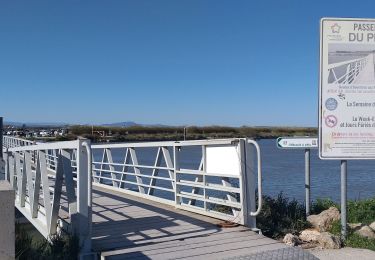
[177, 245]
[216, 251]
[127, 227]
[133, 240]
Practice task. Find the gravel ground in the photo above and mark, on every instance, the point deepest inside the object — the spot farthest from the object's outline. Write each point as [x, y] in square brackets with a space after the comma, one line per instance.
[346, 253]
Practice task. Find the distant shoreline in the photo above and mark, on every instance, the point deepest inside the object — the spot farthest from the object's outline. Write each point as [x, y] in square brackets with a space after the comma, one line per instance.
[166, 133]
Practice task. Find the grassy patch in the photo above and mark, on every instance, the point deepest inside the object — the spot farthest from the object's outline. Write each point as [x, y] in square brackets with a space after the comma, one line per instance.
[61, 247]
[336, 228]
[353, 239]
[357, 241]
[281, 215]
[362, 211]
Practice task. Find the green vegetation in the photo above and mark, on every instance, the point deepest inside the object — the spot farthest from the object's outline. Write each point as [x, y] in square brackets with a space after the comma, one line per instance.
[362, 211]
[322, 204]
[280, 216]
[353, 239]
[161, 133]
[357, 241]
[61, 247]
[359, 211]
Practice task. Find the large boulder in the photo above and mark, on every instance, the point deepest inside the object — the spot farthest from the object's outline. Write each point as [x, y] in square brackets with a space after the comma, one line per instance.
[328, 241]
[372, 226]
[355, 226]
[309, 235]
[324, 220]
[291, 240]
[366, 231]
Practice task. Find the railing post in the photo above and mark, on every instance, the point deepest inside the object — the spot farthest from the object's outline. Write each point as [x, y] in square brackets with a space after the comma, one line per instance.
[176, 168]
[84, 191]
[248, 170]
[244, 198]
[6, 166]
[1, 137]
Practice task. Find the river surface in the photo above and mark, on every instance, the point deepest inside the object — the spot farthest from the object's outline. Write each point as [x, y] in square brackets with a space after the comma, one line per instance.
[284, 170]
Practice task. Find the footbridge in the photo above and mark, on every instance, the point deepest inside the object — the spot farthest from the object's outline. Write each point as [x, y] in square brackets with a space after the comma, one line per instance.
[152, 200]
[354, 71]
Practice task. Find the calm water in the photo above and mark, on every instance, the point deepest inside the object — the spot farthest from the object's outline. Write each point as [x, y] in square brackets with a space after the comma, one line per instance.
[283, 170]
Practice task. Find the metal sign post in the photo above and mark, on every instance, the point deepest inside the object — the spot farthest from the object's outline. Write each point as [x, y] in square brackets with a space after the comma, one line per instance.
[346, 94]
[343, 198]
[298, 143]
[307, 181]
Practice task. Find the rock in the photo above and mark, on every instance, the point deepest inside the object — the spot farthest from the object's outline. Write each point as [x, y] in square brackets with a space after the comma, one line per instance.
[291, 240]
[355, 226]
[372, 226]
[324, 220]
[329, 241]
[309, 235]
[366, 231]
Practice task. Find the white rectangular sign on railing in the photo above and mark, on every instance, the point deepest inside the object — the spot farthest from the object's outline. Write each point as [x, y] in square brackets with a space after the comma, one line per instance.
[223, 160]
[347, 89]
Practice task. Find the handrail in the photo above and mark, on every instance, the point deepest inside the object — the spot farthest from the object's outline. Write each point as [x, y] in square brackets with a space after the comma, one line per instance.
[46, 146]
[89, 194]
[165, 143]
[256, 213]
[338, 64]
[353, 69]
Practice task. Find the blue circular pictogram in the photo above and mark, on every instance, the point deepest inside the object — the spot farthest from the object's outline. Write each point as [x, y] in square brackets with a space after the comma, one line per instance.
[331, 104]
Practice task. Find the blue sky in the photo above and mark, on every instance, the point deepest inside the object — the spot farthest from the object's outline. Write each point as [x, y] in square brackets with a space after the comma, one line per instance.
[185, 62]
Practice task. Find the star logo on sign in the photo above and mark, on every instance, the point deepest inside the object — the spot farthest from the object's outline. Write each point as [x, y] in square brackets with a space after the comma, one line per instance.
[336, 28]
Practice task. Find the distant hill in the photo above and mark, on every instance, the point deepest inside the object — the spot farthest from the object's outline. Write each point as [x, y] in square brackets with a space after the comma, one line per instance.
[131, 123]
[57, 124]
[122, 124]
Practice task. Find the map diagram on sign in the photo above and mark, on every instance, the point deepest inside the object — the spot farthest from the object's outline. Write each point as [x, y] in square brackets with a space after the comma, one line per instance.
[350, 64]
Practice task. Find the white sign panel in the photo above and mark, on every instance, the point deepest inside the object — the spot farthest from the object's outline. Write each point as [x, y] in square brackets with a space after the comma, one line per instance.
[296, 142]
[222, 160]
[347, 89]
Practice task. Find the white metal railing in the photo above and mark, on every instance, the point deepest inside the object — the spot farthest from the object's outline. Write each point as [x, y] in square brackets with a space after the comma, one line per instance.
[11, 141]
[39, 186]
[216, 178]
[180, 174]
[347, 72]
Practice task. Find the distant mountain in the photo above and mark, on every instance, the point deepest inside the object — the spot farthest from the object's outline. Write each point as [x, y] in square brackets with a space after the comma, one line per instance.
[122, 124]
[58, 124]
[131, 123]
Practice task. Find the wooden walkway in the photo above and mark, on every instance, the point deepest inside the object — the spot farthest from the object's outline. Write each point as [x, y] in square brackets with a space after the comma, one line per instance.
[126, 227]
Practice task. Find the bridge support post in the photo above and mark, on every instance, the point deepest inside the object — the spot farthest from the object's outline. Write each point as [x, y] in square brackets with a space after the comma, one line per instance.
[247, 155]
[84, 197]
